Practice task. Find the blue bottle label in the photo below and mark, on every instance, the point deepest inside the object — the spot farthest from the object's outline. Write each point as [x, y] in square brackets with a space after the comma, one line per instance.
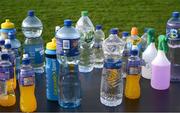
[126, 54]
[70, 46]
[173, 33]
[36, 53]
[134, 67]
[111, 64]
[7, 72]
[27, 78]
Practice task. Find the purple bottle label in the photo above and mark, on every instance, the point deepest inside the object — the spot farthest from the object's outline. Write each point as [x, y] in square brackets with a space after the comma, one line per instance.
[27, 78]
[68, 47]
[134, 67]
[173, 33]
[6, 73]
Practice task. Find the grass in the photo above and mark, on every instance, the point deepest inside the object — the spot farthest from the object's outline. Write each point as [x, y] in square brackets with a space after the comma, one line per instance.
[110, 13]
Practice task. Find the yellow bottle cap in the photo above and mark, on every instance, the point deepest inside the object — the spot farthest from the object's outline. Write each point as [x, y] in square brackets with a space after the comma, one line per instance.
[7, 24]
[51, 45]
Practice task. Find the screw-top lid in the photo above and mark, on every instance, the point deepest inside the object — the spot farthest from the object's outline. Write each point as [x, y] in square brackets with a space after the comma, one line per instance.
[26, 59]
[7, 44]
[2, 41]
[134, 31]
[175, 14]
[5, 56]
[67, 22]
[162, 45]
[7, 24]
[11, 35]
[151, 34]
[31, 13]
[114, 31]
[98, 27]
[134, 52]
[125, 34]
[51, 45]
[84, 13]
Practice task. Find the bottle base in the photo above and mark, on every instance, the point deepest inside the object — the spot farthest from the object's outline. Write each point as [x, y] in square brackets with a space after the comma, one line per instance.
[111, 103]
[159, 88]
[39, 70]
[85, 69]
[146, 77]
[69, 104]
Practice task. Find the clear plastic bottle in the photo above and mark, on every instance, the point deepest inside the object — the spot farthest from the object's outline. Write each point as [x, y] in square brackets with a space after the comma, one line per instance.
[16, 47]
[10, 52]
[149, 54]
[173, 35]
[27, 86]
[98, 52]
[32, 29]
[86, 29]
[8, 97]
[144, 38]
[67, 50]
[111, 91]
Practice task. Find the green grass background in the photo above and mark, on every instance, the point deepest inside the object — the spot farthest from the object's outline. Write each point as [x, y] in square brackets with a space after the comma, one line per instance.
[110, 13]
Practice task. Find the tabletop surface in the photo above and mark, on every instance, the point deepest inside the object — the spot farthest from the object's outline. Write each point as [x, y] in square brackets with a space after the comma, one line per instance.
[150, 100]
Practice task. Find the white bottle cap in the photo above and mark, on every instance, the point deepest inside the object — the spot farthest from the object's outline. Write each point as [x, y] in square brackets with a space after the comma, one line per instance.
[7, 41]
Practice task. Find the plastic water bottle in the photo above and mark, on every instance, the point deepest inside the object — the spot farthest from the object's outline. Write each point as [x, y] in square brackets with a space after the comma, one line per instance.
[144, 38]
[16, 47]
[132, 86]
[2, 42]
[10, 52]
[33, 45]
[111, 92]
[52, 71]
[67, 49]
[161, 67]
[27, 86]
[8, 97]
[86, 29]
[173, 35]
[7, 27]
[149, 54]
[125, 52]
[98, 52]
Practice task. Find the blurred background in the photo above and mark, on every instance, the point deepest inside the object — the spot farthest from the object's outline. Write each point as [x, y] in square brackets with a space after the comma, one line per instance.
[122, 14]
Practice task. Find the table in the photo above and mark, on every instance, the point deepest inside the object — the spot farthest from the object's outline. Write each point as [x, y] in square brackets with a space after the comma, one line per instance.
[151, 100]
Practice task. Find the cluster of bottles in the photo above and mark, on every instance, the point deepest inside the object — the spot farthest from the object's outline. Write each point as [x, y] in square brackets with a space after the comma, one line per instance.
[80, 49]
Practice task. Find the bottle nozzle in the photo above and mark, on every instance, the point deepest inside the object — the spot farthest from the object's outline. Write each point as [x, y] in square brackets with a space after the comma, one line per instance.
[151, 34]
[163, 43]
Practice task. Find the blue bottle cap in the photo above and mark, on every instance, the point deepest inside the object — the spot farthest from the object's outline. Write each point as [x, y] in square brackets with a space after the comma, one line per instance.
[5, 56]
[67, 22]
[7, 46]
[175, 14]
[2, 41]
[11, 35]
[98, 27]
[114, 31]
[31, 13]
[125, 34]
[134, 52]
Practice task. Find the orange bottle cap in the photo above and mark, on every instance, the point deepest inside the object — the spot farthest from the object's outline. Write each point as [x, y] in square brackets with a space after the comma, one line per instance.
[134, 31]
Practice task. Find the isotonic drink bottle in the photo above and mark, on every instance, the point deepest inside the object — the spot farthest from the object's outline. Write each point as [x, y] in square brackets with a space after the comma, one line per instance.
[52, 71]
[7, 27]
[10, 52]
[111, 91]
[67, 49]
[173, 35]
[86, 29]
[7, 74]
[32, 29]
[161, 66]
[132, 87]
[27, 86]
[149, 54]
[15, 46]
[98, 52]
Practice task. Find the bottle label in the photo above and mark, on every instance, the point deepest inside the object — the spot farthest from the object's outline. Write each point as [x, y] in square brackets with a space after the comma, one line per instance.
[7, 72]
[27, 78]
[111, 64]
[36, 53]
[88, 36]
[173, 33]
[126, 53]
[134, 67]
[68, 47]
[3, 88]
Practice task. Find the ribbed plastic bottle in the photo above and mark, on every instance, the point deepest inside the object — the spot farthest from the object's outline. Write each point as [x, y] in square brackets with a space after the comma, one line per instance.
[34, 45]
[27, 86]
[149, 54]
[111, 91]
[98, 51]
[144, 38]
[173, 35]
[161, 66]
[86, 29]
[67, 50]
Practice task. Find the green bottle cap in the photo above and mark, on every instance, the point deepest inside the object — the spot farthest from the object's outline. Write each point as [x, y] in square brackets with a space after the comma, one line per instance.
[151, 34]
[84, 13]
[162, 45]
